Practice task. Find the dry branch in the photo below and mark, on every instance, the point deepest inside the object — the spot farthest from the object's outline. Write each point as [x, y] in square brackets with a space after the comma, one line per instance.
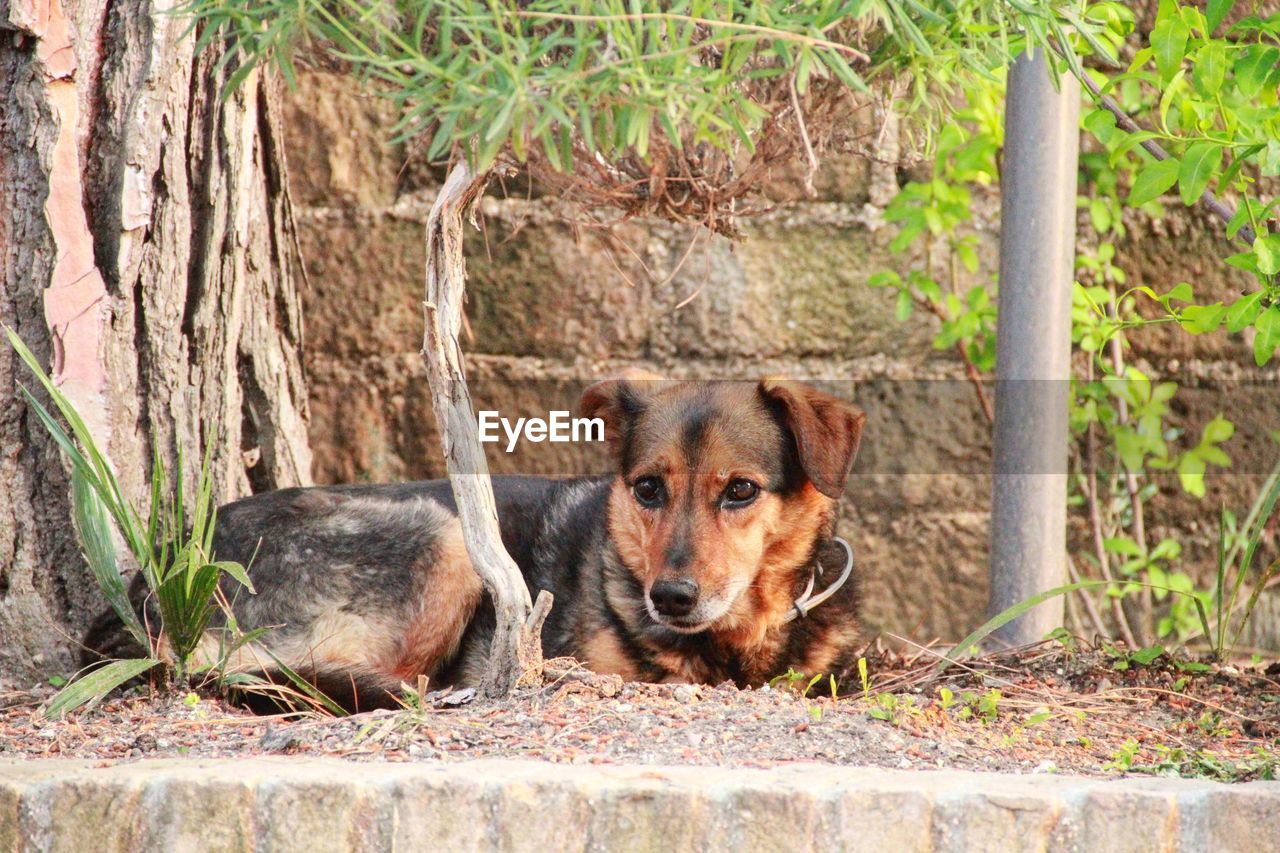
[516, 649]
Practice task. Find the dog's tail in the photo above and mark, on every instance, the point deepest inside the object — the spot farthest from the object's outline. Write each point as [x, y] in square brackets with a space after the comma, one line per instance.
[322, 686]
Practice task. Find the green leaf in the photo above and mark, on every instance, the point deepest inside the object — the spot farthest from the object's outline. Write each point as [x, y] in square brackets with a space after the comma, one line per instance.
[1218, 430]
[1006, 616]
[1191, 468]
[1244, 261]
[1268, 337]
[1181, 291]
[91, 687]
[1254, 65]
[1122, 545]
[1147, 656]
[1216, 11]
[1154, 180]
[1267, 249]
[884, 278]
[1211, 69]
[904, 307]
[1169, 40]
[1243, 311]
[1191, 666]
[1240, 218]
[93, 529]
[237, 572]
[1199, 163]
[1199, 319]
[1131, 141]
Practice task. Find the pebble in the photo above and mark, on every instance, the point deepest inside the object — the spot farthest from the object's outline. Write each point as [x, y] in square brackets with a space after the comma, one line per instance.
[685, 694]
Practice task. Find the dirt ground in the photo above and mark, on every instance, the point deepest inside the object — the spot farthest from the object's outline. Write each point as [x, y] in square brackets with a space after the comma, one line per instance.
[1047, 709]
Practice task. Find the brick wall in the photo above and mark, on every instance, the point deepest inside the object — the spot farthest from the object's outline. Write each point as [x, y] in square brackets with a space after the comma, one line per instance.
[554, 306]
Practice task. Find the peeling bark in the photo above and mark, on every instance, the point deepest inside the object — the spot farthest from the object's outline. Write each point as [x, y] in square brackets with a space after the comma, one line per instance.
[147, 257]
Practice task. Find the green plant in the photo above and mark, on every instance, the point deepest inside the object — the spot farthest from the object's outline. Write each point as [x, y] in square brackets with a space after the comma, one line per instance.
[1235, 558]
[1119, 415]
[792, 680]
[985, 707]
[1123, 659]
[622, 102]
[172, 549]
[1214, 123]
[1204, 764]
[1124, 757]
[935, 215]
[894, 708]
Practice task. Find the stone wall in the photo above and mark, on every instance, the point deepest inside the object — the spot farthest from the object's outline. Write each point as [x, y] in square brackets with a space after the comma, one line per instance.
[554, 306]
[302, 803]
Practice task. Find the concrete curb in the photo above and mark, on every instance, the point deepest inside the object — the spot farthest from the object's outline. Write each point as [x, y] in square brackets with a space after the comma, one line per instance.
[326, 804]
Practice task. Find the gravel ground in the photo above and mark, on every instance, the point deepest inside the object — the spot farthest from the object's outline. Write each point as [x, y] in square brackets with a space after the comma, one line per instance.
[1041, 710]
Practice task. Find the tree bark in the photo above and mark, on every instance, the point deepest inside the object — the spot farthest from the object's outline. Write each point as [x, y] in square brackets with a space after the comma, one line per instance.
[147, 256]
[516, 650]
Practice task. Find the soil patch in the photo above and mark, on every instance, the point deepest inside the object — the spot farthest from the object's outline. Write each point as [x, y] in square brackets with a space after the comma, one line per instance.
[1047, 709]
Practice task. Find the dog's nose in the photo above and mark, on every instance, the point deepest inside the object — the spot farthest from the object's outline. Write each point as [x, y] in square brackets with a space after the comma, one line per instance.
[674, 598]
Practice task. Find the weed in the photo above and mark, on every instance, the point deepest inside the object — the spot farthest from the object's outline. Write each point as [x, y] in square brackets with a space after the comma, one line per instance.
[173, 549]
[1124, 757]
[895, 709]
[1204, 764]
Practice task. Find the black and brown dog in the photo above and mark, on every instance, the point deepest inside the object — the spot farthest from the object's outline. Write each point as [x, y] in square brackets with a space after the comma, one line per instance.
[684, 565]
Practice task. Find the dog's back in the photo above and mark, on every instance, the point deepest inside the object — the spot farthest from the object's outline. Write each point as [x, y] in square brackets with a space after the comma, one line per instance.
[363, 587]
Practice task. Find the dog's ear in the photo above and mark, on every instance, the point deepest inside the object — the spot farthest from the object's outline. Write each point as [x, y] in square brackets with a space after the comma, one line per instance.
[827, 431]
[617, 402]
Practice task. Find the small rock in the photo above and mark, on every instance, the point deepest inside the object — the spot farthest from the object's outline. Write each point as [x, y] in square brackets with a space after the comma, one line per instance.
[685, 694]
[451, 698]
[1046, 766]
[278, 741]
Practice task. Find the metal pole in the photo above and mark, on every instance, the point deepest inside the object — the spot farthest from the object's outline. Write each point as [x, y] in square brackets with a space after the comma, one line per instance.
[1033, 345]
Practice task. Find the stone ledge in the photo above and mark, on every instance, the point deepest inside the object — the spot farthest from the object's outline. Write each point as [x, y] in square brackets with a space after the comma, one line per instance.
[328, 804]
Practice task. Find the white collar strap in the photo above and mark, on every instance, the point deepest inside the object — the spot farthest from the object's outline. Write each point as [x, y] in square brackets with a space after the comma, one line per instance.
[807, 600]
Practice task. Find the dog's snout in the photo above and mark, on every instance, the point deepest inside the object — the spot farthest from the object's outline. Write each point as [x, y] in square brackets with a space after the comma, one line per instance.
[674, 598]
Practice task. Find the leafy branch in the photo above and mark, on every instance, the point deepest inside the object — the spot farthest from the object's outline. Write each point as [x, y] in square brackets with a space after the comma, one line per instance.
[679, 113]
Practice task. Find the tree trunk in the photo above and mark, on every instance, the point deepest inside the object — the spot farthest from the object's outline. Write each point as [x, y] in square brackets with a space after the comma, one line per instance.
[147, 256]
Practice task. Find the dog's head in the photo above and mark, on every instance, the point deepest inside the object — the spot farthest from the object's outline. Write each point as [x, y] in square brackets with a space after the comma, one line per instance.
[722, 487]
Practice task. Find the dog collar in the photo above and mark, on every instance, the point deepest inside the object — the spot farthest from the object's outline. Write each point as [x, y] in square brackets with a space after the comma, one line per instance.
[807, 600]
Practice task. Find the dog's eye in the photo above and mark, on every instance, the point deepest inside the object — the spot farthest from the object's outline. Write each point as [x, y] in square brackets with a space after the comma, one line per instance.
[740, 493]
[648, 491]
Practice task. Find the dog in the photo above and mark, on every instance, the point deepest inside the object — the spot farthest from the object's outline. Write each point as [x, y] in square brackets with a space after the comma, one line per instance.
[706, 556]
